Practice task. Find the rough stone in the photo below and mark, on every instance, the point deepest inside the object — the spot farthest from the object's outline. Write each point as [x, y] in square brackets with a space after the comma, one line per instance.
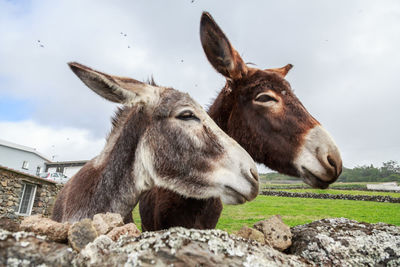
[343, 242]
[81, 233]
[183, 247]
[328, 242]
[9, 224]
[276, 232]
[251, 233]
[105, 222]
[43, 226]
[11, 187]
[28, 249]
[129, 229]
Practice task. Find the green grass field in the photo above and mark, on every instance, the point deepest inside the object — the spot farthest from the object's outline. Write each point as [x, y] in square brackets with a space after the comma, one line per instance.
[297, 211]
[342, 192]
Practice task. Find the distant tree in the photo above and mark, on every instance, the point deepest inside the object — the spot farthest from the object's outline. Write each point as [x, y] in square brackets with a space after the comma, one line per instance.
[390, 171]
[390, 167]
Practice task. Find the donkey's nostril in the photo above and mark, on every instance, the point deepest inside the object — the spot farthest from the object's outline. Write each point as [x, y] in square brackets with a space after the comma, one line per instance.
[335, 164]
[254, 173]
[330, 160]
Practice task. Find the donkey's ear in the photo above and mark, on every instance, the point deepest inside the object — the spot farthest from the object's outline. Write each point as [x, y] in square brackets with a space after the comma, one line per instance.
[282, 71]
[113, 88]
[219, 51]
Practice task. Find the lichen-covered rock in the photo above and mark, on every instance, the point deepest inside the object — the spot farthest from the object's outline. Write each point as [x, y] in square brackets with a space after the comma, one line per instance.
[28, 249]
[343, 242]
[328, 242]
[43, 226]
[183, 247]
[129, 229]
[251, 233]
[102, 245]
[105, 222]
[81, 233]
[276, 232]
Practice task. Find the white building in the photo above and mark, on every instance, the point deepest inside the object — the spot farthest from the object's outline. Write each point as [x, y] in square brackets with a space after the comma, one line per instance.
[390, 186]
[22, 158]
[28, 160]
[68, 168]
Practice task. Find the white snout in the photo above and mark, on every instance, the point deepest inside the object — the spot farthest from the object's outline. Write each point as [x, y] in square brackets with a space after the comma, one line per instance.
[318, 160]
[236, 176]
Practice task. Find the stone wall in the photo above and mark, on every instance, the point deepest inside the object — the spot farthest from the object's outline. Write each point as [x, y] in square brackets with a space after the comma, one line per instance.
[333, 186]
[331, 196]
[11, 187]
[327, 242]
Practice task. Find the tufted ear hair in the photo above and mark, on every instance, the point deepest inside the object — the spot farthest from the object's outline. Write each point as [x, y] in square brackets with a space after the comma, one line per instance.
[121, 90]
[282, 71]
[219, 51]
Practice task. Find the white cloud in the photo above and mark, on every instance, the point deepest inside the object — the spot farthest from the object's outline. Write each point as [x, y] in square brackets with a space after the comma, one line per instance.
[58, 144]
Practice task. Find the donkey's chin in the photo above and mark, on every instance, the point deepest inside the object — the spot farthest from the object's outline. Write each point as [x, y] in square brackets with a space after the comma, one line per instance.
[233, 197]
[236, 184]
[314, 181]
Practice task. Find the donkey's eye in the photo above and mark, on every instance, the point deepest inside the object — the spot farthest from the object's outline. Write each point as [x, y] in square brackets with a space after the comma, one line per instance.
[265, 98]
[187, 115]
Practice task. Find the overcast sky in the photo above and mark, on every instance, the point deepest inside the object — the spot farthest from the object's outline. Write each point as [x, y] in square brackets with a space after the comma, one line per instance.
[346, 57]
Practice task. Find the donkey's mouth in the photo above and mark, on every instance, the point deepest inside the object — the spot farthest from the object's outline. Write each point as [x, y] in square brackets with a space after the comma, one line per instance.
[313, 180]
[239, 197]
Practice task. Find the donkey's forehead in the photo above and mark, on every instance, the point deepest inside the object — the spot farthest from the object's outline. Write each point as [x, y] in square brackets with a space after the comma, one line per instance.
[172, 99]
[260, 80]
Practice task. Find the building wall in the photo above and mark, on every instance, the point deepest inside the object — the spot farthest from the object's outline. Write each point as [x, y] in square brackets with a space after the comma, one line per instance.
[71, 171]
[391, 186]
[11, 187]
[68, 171]
[14, 158]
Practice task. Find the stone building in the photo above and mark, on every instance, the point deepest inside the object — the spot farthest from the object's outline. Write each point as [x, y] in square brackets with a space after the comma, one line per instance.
[22, 194]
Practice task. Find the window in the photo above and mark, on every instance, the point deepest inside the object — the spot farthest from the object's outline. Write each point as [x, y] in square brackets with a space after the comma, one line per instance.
[38, 170]
[60, 169]
[28, 196]
[25, 165]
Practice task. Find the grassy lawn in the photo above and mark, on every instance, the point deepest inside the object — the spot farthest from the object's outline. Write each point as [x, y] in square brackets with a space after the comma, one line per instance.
[338, 192]
[297, 211]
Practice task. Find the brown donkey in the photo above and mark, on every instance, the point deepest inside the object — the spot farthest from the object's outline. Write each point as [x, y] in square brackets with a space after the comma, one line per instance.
[160, 137]
[260, 111]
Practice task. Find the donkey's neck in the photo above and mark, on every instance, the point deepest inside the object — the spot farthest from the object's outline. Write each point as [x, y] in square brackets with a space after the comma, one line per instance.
[117, 163]
[221, 108]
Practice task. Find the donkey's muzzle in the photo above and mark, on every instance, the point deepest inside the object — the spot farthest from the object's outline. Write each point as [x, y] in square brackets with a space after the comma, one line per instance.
[319, 162]
[241, 191]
